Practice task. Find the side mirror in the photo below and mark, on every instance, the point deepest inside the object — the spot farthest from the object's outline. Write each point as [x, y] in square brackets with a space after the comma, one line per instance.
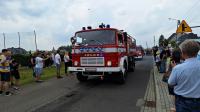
[73, 40]
[125, 36]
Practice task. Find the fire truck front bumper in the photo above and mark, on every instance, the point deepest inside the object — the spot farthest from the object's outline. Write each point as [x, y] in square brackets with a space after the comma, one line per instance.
[94, 69]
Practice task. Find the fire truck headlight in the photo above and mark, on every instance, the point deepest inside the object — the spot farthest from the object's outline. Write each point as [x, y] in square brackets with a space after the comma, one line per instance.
[109, 63]
[76, 63]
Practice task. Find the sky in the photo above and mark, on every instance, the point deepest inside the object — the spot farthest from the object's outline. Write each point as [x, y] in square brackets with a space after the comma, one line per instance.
[55, 21]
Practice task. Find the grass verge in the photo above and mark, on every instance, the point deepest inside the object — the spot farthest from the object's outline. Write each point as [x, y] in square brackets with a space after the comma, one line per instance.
[26, 74]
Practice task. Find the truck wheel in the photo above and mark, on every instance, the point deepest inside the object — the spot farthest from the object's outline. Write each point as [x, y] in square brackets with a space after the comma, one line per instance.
[122, 75]
[132, 66]
[81, 78]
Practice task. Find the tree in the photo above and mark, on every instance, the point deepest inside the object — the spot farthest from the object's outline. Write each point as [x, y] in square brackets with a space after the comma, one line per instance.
[63, 49]
[173, 44]
[165, 42]
[161, 40]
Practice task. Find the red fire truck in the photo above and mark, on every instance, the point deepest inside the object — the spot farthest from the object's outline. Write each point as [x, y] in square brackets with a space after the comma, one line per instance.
[140, 52]
[102, 52]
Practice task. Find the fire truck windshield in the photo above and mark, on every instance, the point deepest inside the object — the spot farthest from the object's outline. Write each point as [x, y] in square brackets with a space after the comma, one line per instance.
[98, 37]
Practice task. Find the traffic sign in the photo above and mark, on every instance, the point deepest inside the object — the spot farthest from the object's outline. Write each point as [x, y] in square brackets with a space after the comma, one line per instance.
[183, 27]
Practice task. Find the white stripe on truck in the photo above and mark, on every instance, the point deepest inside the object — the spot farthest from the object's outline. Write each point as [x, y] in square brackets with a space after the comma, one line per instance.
[107, 50]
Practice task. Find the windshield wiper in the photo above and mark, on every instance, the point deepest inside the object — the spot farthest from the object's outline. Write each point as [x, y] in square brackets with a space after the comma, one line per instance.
[100, 43]
[82, 43]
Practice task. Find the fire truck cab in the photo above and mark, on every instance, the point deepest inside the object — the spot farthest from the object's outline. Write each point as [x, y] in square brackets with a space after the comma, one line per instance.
[102, 52]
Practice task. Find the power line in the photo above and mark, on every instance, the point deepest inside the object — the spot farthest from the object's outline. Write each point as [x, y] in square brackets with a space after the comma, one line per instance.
[194, 18]
[189, 10]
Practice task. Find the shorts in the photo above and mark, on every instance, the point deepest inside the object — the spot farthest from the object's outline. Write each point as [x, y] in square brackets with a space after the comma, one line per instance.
[58, 66]
[15, 74]
[5, 76]
[38, 71]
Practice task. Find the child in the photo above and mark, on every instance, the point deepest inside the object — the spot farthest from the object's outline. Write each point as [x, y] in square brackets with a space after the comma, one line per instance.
[67, 62]
[158, 60]
[14, 74]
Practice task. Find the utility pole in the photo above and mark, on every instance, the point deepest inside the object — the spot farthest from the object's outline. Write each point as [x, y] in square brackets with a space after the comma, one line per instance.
[178, 23]
[4, 40]
[35, 40]
[147, 45]
[154, 40]
[19, 39]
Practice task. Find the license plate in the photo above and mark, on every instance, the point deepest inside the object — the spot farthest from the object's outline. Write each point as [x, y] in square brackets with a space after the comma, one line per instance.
[90, 69]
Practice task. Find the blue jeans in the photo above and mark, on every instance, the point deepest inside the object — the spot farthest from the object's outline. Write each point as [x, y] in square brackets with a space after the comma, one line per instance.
[38, 71]
[163, 66]
[187, 105]
[58, 66]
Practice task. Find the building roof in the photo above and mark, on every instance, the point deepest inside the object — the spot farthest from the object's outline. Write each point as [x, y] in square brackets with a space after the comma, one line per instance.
[17, 50]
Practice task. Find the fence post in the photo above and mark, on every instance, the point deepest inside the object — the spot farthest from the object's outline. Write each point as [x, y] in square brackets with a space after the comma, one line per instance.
[19, 38]
[35, 40]
[4, 40]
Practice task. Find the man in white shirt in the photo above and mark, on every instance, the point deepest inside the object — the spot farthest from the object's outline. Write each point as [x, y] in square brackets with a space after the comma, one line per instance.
[58, 64]
[53, 59]
[38, 67]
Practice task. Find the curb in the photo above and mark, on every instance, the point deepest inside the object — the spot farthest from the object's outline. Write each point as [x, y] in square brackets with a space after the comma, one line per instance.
[157, 93]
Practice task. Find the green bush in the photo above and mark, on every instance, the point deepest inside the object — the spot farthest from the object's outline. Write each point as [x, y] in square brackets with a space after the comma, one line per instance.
[22, 59]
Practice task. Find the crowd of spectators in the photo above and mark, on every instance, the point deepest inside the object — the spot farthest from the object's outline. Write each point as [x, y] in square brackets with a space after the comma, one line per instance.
[180, 68]
[9, 68]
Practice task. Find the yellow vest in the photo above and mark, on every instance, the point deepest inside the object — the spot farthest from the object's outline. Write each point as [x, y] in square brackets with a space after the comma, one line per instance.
[5, 66]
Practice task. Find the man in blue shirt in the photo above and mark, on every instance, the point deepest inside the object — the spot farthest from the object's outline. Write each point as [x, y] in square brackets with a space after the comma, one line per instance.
[185, 78]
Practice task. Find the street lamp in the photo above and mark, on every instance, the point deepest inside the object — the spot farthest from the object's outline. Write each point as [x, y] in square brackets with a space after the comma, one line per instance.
[178, 23]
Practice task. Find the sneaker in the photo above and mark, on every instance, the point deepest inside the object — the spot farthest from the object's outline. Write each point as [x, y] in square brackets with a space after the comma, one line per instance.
[8, 94]
[15, 87]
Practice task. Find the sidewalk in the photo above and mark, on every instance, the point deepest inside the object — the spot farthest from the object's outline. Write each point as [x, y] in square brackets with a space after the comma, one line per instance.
[35, 95]
[157, 98]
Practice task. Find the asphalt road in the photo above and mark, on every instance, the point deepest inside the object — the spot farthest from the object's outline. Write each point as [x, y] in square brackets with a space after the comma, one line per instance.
[105, 96]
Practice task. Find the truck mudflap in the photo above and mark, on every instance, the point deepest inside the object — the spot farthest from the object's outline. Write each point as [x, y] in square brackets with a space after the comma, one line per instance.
[94, 69]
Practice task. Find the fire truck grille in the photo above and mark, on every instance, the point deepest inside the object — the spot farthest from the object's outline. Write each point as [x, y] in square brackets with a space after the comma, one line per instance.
[92, 61]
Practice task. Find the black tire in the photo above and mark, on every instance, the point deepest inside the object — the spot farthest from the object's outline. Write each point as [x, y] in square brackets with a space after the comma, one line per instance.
[131, 66]
[122, 76]
[81, 78]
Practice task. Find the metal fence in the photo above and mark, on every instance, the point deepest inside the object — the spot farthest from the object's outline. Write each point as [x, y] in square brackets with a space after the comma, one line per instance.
[25, 40]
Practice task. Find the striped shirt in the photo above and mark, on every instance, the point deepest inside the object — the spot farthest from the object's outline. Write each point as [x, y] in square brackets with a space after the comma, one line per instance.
[4, 64]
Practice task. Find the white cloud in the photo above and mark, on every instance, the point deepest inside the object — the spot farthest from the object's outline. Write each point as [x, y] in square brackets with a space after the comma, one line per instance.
[55, 21]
